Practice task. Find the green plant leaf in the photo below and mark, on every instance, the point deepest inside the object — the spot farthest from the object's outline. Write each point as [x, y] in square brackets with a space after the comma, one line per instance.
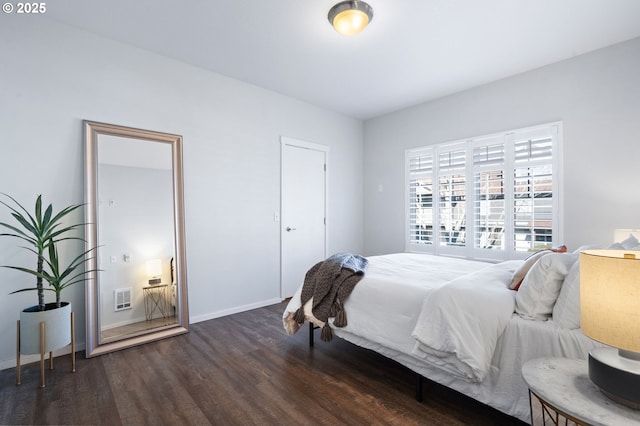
[47, 215]
[38, 209]
[29, 289]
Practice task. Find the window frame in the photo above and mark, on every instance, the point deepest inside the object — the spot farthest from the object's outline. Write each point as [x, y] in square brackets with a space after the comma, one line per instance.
[508, 139]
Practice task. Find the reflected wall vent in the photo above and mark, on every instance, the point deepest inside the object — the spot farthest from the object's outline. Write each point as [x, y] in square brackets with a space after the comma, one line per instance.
[122, 297]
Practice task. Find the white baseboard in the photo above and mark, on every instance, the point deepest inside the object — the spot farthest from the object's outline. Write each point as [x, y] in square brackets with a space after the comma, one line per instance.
[232, 311]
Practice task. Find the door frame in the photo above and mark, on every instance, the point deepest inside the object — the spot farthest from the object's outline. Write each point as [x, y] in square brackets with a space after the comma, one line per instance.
[298, 143]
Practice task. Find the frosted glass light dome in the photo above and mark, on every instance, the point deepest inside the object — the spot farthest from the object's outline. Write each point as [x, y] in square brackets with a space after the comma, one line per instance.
[350, 17]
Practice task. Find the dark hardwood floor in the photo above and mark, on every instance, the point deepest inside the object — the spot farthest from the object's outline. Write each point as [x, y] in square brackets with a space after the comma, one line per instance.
[237, 370]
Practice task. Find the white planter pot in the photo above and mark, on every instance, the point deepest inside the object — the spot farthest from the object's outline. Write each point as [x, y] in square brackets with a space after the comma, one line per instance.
[57, 328]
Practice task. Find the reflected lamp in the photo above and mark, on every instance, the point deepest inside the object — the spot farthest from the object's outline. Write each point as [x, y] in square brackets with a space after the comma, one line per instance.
[610, 314]
[154, 271]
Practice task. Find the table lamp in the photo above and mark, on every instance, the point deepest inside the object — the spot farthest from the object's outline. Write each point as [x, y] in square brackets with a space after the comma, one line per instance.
[154, 271]
[610, 314]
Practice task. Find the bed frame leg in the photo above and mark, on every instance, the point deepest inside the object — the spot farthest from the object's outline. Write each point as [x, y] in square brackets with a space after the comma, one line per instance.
[311, 328]
[418, 387]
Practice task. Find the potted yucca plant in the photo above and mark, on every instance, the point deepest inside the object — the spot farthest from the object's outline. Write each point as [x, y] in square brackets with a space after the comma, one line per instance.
[43, 231]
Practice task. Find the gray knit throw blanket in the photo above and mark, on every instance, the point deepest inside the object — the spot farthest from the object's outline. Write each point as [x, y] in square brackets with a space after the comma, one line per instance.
[329, 283]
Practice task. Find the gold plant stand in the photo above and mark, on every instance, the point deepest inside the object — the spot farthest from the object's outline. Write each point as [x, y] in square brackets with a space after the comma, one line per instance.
[42, 346]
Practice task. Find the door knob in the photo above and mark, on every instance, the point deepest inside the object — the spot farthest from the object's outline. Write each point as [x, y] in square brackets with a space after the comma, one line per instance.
[289, 229]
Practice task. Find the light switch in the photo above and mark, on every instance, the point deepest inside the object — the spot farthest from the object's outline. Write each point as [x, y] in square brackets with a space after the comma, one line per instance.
[113, 259]
[276, 216]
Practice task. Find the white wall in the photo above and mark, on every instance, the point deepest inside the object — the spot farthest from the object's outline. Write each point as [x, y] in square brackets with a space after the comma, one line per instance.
[52, 77]
[597, 96]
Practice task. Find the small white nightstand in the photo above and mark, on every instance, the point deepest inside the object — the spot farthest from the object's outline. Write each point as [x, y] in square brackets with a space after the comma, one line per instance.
[155, 298]
[565, 391]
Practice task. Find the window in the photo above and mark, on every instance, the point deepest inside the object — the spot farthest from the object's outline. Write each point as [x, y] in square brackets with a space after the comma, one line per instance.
[490, 197]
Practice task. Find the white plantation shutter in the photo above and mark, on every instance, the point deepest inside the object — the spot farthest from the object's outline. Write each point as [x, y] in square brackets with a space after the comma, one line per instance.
[489, 213]
[495, 196]
[421, 170]
[452, 162]
[533, 193]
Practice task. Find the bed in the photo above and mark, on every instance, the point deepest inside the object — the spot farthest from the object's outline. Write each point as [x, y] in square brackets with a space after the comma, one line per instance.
[458, 322]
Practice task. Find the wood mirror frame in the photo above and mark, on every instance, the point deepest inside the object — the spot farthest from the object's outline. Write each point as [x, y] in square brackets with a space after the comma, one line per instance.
[95, 343]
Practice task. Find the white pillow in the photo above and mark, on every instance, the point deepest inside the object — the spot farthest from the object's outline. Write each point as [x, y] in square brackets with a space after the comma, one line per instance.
[541, 285]
[566, 311]
[521, 272]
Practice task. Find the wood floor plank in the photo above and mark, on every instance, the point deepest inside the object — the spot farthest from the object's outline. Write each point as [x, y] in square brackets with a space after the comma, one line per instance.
[237, 370]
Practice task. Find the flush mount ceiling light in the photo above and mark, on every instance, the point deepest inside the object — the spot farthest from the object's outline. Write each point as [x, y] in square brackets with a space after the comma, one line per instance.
[350, 17]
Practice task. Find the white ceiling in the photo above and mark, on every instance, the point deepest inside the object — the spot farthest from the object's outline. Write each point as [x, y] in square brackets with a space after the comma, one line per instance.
[413, 50]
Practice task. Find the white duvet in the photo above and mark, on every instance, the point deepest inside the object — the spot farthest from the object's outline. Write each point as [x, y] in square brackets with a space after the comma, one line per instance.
[385, 305]
[460, 323]
[447, 311]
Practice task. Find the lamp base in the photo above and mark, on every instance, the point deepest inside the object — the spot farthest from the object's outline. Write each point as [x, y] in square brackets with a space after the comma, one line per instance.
[618, 377]
[155, 281]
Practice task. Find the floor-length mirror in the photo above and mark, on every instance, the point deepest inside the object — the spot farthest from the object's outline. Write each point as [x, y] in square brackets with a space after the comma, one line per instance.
[135, 216]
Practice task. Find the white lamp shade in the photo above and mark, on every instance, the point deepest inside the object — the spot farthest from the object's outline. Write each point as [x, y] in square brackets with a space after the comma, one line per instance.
[154, 268]
[610, 297]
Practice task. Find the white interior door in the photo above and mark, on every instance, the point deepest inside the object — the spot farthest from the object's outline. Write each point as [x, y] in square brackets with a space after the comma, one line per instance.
[303, 211]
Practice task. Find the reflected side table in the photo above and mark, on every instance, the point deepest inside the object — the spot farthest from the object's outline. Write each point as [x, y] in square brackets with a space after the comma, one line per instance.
[568, 396]
[155, 299]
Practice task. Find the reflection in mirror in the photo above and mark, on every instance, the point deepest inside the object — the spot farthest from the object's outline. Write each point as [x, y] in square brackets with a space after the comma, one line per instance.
[135, 216]
[135, 230]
